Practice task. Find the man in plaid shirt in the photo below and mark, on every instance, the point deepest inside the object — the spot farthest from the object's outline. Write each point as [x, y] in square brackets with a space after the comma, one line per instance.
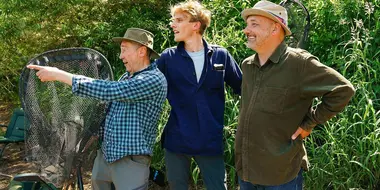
[135, 103]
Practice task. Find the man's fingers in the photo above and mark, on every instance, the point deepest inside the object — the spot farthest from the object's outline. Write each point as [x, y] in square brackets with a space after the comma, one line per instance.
[295, 135]
[36, 67]
[38, 73]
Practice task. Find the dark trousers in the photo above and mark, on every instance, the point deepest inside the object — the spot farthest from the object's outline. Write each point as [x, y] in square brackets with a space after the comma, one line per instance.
[178, 170]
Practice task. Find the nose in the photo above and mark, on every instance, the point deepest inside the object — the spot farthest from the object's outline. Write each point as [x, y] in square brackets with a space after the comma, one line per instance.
[120, 56]
[172, 25]
[245, 30]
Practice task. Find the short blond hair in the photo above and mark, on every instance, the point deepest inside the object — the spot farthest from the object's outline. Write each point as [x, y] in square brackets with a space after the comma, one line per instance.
[196, 11]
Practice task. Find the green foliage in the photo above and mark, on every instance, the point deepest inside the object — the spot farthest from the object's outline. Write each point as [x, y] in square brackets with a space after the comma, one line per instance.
[28, 28]
[344, 153]
[350, 157]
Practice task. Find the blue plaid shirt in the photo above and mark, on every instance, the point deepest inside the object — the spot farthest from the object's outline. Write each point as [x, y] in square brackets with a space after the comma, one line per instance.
[135, 104]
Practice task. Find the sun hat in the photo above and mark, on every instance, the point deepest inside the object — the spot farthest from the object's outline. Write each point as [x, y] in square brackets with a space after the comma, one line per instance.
[140, 36]
[269, 10]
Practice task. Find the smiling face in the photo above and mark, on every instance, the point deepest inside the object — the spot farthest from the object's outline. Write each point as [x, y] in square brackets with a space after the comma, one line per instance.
[129, 54]
[182, 27]
[259, 30]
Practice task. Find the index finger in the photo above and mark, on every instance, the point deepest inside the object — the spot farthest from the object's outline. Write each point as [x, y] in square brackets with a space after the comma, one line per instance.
[36, 67]
[298, 132]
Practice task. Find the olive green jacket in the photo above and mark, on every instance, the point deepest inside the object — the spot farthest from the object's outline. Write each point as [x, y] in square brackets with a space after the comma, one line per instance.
[276, 99]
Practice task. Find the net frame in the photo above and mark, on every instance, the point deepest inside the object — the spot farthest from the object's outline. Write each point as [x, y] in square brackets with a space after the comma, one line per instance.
[298, 39]
[94, 112]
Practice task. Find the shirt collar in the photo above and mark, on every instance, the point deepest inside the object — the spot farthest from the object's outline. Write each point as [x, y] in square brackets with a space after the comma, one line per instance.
[150, 67]
[280, 50]
[276, 55]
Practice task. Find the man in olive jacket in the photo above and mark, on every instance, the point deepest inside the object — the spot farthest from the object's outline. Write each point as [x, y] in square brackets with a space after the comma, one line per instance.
[278, 89]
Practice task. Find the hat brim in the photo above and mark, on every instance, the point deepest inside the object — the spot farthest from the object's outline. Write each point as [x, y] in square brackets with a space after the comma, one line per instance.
[154, 54]
[258, 12]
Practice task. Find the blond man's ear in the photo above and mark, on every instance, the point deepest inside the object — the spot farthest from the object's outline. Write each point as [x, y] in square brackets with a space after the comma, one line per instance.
[197, 26]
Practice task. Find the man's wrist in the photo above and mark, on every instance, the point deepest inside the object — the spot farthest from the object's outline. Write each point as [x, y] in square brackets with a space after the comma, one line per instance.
[307, 127]
[65, 77]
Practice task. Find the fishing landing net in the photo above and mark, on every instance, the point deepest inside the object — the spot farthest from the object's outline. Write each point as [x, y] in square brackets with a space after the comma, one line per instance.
[61, 123]
[298, 22]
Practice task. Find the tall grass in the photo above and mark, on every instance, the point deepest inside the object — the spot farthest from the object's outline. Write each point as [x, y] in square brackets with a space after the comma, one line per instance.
[349, 156]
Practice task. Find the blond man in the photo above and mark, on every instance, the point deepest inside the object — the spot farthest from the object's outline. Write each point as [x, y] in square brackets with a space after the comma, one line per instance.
[279, 86]
[196, 72]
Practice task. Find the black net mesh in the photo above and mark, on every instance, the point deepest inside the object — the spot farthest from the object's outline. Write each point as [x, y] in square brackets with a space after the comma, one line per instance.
[61, 123]
[298, 22]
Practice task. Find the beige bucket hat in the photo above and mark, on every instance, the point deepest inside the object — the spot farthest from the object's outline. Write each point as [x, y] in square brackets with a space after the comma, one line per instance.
[140, 36]
[269, 10]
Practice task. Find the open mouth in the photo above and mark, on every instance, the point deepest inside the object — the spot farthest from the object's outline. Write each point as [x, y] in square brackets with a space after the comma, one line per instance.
[251, 38]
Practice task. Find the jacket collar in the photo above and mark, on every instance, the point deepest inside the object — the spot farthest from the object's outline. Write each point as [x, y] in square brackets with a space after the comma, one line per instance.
[181, 48]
